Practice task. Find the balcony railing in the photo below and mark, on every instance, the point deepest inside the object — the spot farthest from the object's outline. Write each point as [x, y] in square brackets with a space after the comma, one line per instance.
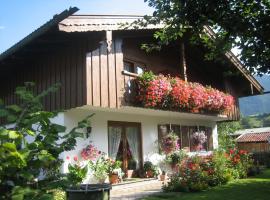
[131, 99]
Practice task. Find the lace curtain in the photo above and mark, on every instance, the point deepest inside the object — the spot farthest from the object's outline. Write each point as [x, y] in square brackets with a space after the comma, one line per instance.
[133, 141]
[114, 141]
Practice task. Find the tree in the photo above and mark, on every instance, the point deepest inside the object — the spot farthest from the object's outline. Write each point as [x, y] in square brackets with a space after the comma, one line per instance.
[225, 140]
[266, 121]
[23, 161]
[237, 23]
[251, 122]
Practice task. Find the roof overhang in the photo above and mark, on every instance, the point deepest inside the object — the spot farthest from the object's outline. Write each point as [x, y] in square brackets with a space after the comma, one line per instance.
[38, 32]
[161, 113]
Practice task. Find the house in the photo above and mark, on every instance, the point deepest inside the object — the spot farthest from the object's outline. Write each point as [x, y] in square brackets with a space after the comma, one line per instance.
[254, 140]
[95, 60]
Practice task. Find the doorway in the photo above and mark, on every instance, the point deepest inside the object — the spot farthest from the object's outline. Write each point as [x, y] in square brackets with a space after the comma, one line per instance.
[125, 144]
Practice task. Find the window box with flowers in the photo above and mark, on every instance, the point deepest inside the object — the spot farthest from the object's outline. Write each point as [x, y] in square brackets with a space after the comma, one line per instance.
[172, 93]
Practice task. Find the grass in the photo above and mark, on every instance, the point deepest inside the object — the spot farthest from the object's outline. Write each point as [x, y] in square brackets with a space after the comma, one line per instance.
[255, 188]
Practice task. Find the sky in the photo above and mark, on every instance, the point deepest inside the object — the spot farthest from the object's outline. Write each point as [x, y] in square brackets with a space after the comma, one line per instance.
[18, 18]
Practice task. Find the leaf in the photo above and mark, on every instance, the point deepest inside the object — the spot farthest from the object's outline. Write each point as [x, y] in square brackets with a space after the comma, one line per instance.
[59, 128]
[11, 118]
[14, 108]
[14, 134]
[3, 113]
[30, 132]
[3, 132]
[9, 146]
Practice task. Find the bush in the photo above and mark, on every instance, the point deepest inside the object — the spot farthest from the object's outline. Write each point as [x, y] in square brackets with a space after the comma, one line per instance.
[24, 162]
[199, 173]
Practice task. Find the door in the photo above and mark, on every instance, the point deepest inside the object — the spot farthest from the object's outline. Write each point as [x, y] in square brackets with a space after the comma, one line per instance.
[125, 144]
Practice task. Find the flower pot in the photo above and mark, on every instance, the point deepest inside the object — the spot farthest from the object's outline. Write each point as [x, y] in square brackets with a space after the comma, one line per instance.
[130, 173]
[149, 174]
[89, 191]
[162, 177]
[175, 167]
[113, 178]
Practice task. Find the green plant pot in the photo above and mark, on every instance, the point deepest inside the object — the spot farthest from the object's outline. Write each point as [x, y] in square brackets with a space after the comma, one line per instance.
[90, 192]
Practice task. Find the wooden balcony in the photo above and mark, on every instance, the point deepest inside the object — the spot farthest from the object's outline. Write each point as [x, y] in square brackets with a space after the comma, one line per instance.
[129, 97]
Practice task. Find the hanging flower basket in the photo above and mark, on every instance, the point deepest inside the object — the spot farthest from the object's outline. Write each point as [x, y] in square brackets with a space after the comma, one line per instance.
[199, 138]
[169, 143]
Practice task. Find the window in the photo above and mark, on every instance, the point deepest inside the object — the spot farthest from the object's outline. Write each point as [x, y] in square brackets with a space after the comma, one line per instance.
[134, 67]
[185, 134]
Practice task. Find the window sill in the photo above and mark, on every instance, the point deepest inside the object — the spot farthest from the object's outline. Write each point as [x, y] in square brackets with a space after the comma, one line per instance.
[124, 72]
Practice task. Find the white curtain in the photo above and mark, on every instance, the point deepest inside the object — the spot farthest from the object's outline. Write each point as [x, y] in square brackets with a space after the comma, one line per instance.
[114, 141]
[133, 141]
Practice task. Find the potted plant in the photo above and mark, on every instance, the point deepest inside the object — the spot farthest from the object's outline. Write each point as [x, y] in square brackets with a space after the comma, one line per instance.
[112, 167]
[76, 172]
[132, 164]
[150, 169]
[199, 138]
[76, 190]
[169, 143]
[162, 176]
[174, 159]
[100, 168]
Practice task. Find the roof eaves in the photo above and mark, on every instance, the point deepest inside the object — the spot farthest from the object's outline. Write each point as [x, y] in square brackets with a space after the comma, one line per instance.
[237, 63]
[41, 30]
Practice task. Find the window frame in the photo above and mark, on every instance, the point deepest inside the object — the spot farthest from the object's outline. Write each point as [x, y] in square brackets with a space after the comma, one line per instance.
[208, 130]
[134, 64]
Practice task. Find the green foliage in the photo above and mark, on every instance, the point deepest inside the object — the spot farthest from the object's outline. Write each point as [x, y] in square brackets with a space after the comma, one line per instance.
[266, 121]
[198, 173]
[251, 122]
[146, 77]
[76, 173]
[149, 166]
[176, 157]
[240, 23]
[31, 148]
[226, 141]
[243, 189]
[100, 168]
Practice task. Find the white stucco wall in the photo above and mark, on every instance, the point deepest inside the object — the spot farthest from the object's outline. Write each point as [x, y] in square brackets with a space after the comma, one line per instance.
[99, 134]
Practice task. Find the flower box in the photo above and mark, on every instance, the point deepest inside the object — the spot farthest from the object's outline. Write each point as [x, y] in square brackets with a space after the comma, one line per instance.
[172, 93]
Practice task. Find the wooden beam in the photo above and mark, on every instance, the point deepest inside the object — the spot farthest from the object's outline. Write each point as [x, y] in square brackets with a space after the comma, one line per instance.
[183, 60]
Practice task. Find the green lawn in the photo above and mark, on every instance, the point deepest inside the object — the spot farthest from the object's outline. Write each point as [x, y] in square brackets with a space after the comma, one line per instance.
[256, 188]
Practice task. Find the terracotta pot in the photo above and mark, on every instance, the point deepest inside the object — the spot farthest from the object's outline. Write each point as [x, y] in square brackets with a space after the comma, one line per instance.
[130, 173]
[113, 178]
[175, 167]
[149, 174]
[162, 177]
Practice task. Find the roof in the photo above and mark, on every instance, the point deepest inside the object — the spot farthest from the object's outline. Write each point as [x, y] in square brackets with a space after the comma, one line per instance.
[85, 23]
[38, 32]
[254, 137]
[252, 130]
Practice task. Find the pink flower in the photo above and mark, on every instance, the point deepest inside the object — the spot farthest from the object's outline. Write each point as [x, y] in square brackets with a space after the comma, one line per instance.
[75, 158]
[67, 157]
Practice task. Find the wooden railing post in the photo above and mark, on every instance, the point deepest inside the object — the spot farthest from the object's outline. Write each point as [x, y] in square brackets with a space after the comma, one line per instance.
[183, 64]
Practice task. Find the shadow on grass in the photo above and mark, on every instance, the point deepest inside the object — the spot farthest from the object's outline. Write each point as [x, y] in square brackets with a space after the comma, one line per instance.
[256, 188]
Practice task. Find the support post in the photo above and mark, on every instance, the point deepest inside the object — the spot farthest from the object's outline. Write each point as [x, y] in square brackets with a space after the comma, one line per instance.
[183, 64]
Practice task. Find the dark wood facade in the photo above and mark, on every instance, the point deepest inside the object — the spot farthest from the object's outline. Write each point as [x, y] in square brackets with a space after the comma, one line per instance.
[254, 146]
[90, 68]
